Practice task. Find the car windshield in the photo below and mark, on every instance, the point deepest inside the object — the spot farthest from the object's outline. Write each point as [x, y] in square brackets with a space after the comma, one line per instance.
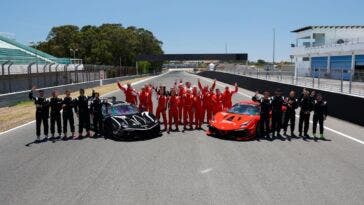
[119, 109]
[244, 109]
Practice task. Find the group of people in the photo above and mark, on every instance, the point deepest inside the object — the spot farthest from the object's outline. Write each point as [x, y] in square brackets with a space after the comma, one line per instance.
[183, 103]
[53, 106]
[282, 111]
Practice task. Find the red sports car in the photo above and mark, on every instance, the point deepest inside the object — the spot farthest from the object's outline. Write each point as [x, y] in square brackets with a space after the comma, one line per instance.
[240, 122]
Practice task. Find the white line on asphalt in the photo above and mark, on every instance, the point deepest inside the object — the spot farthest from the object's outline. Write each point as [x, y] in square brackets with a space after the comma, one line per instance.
[135, 83]
[20, 126]
[344, 135]
[206, 171]
[327, 128]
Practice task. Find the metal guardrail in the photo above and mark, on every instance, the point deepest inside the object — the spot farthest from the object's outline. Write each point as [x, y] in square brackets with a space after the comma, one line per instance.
[48, 75]
[353, 85]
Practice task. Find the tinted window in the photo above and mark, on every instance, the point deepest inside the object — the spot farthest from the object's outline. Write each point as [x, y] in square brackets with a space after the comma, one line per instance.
[244, 109]
[115, 110]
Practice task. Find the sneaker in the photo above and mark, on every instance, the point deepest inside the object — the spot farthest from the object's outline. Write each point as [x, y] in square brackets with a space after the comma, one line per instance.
[322, 136]
[45, 137]
[37, 139]
[288, 138]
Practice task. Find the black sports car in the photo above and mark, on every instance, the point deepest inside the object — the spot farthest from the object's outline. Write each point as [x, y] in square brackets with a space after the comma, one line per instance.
[122, 120]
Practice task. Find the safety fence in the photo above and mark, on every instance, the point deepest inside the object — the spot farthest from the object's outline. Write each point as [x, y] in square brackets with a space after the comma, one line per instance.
[16, 97]
[336, 80]
[15, 78]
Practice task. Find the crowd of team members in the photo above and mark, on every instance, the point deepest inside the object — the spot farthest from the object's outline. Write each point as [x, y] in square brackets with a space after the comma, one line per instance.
[282, 110]
[53, 106]
[183, 104]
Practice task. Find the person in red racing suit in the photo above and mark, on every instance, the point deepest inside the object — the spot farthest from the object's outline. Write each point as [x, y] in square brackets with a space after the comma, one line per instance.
[130, 93]
[143, 96]
[187, 103]
[227, 95]
[149, 90]
[197, 107]
[173, 104]
[181, 92]
[162, 106]
[216, 99]
[206, 107]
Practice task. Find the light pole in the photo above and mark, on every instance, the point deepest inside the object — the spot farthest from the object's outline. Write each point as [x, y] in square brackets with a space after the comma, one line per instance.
[74, 56]
[274, 45]
[74, 52]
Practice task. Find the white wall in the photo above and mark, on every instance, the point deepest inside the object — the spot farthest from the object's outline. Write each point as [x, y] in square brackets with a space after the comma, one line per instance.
[332, 35]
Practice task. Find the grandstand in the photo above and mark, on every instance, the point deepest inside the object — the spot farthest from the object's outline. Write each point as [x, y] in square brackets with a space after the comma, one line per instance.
[18, 58]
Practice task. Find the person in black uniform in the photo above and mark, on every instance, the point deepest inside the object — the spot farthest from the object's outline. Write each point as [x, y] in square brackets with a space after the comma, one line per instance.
[306, 107]
[83, 113]
[41, 113]
[265, 109]
[96, 112]
[56, 106]
[319, 115]
[277, 103]
[313, 96]
[291, 103]
[67, 115]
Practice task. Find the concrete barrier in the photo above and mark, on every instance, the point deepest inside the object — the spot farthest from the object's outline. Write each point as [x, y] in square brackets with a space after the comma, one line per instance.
[13, 98]
[345, 107]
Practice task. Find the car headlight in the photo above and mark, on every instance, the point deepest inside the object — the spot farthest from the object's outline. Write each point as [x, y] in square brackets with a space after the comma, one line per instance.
[245, 123]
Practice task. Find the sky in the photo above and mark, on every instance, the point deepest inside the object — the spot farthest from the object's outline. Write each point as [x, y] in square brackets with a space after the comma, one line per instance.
[187, 26]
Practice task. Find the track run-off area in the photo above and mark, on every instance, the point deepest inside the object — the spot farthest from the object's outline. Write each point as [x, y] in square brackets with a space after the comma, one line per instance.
[183, 167]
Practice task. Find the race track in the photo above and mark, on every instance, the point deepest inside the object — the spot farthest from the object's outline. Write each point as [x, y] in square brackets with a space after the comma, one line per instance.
[183, 168]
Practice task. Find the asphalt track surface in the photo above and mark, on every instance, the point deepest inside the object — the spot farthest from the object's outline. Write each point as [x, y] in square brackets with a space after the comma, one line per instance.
[182, 168]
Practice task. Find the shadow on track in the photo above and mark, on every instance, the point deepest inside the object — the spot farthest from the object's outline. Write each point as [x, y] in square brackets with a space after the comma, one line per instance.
[70, 138]
[271, 139]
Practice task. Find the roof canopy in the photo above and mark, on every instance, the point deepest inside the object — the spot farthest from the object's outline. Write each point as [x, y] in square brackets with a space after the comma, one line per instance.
[327, 27]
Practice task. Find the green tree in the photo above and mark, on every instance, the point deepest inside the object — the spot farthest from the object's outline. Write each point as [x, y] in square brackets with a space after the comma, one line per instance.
[108, 44]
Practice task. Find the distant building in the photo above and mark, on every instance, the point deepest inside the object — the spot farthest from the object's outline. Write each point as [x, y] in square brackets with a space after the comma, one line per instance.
[329, 51]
